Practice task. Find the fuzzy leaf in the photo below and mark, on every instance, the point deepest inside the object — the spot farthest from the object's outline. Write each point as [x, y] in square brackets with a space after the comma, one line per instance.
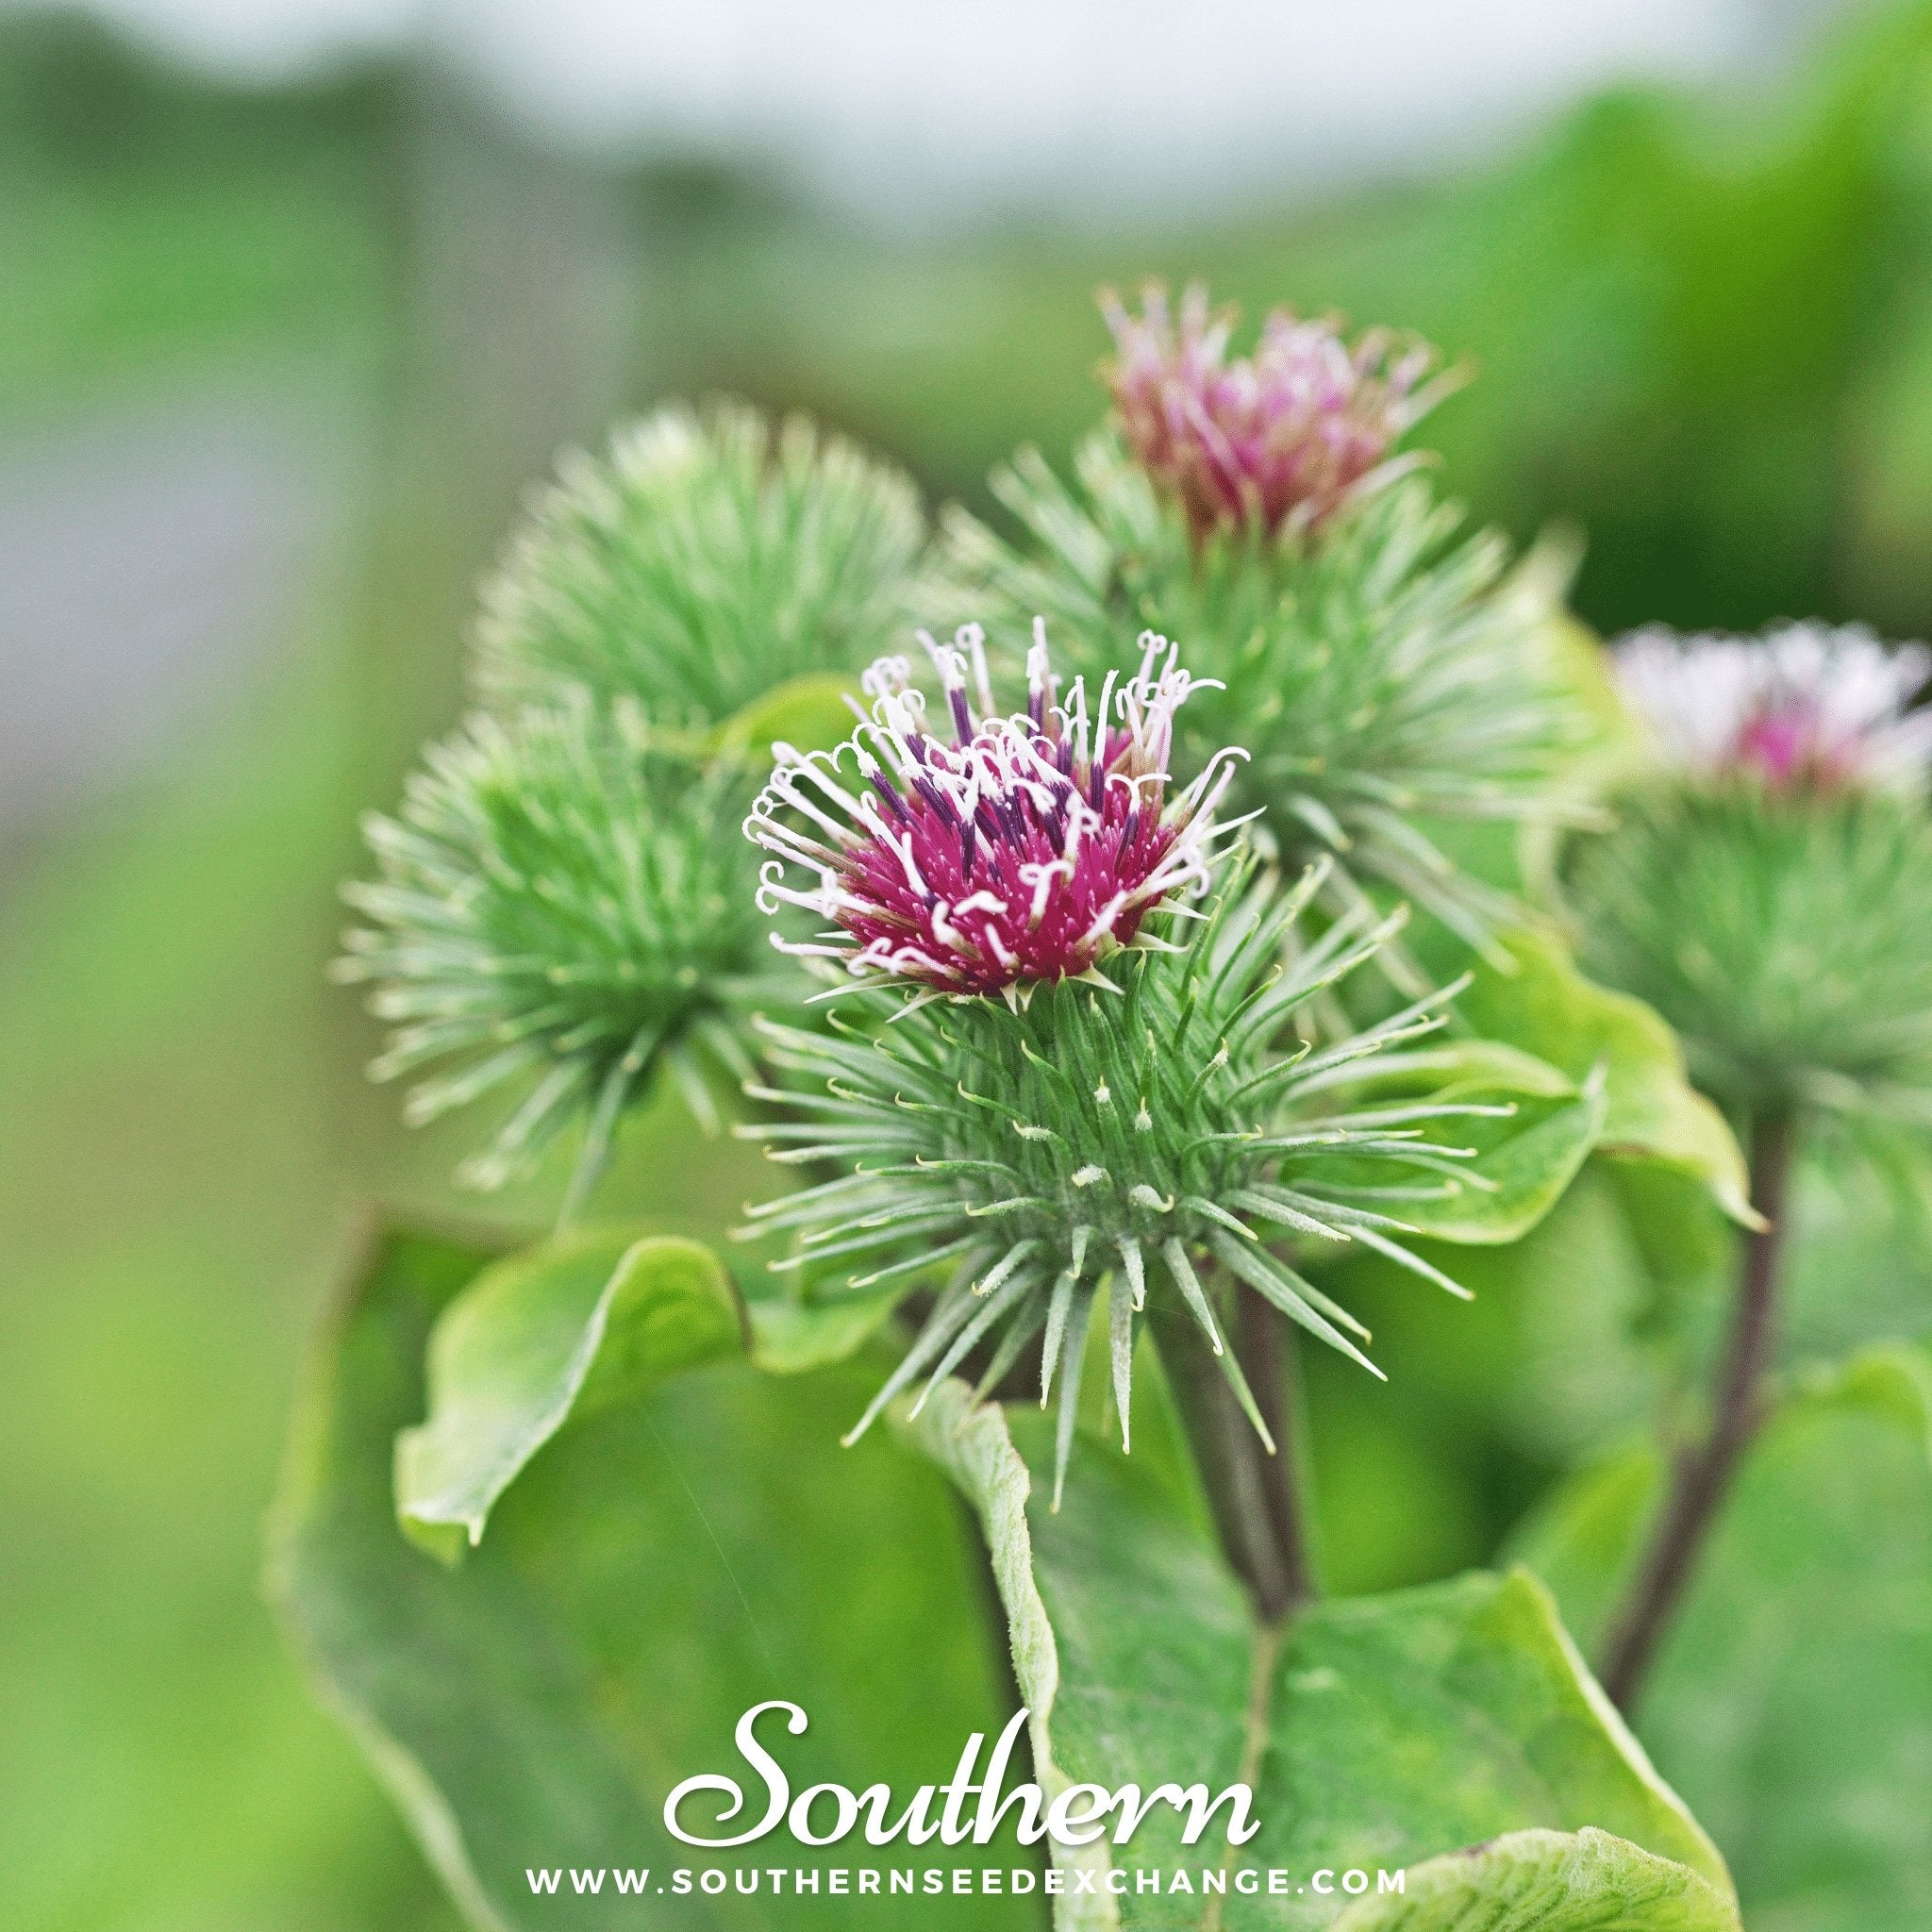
[1573, 1341]
[1547, 1881]
[653, 1574]
[1792, 1701]
[561, 1329]
[1547, 1007]
[1379, 1732]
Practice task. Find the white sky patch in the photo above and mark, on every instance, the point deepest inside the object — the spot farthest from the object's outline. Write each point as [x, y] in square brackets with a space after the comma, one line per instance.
[953, 106]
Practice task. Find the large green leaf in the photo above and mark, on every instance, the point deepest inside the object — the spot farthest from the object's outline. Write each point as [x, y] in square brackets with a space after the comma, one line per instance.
[1577, 1333]
[1547, 1881]
[658, 1569]
[561, 1329]
[1534, 1129]
[1792, 1700]
[1377, 1733]
[1544, 1006]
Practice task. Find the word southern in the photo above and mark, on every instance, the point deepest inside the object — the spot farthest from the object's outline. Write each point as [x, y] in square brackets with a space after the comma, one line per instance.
[824, 1815]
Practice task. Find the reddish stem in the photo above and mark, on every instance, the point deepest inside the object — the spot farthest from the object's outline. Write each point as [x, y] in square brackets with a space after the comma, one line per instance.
[1704, 1471]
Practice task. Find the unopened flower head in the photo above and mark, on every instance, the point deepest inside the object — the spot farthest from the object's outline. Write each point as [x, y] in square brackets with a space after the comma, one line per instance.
[559, 912]
[698, 563]
[1284, 436]
[1805, 707]
[1020, 849]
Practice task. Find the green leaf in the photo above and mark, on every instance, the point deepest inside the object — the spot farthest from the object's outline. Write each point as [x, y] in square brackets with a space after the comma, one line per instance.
[1474, 1063]
[1792, 1700]
[658, 1570]
[1377, 1732]
[1547, 1881]
[1545, 1007]
[1522, 1164]
[789, 1337]
[808, 712]
[562, 1328]
[1524, 1159]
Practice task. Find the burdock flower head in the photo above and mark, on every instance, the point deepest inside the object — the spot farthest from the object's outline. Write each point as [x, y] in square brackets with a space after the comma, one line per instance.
[1053, 1113]
[1768, 885]
[1387, 674]
[1285, 435]
[1805, 707]
[1024, 849]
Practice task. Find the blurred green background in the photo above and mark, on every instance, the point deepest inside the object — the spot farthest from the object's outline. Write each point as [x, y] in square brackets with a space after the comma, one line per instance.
[276, 361]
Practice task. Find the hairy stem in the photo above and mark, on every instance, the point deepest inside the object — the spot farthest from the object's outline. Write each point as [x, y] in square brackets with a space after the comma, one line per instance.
[1251, 1494]
[1703, 1471]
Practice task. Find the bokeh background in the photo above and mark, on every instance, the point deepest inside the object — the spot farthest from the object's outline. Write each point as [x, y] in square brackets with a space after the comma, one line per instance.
[296, 295]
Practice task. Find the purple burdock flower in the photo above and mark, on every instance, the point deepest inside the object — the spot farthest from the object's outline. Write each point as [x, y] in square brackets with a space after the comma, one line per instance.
[1027, 849]
[1283, 438]
[1805, 707]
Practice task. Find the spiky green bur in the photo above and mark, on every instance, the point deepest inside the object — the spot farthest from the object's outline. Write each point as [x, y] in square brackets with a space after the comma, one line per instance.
[1383, 671]
[1791, 946]
[1163, 1138]
[1768, 885]
[703, 562]
[559, 910]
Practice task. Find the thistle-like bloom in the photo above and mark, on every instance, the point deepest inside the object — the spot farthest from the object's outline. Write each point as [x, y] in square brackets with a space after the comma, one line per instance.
[1026, 850]
[1805, 707]
[1288, 435]
[699, 564]
[1385, 675]
[1161, 1140]
[1768, 885]
[559, 912]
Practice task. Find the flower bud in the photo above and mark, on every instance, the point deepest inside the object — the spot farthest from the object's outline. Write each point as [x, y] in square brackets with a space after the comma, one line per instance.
[559, 912]
[702, 562]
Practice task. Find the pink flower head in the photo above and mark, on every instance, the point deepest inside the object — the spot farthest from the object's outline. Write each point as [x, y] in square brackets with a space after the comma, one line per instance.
[1284, 437]
[1805, 707]
[1029, 848]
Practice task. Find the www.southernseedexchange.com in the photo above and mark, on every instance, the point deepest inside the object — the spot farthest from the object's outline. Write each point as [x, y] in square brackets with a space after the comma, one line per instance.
[866, 1881]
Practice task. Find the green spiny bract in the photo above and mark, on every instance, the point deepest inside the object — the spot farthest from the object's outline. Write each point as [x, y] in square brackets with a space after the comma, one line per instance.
[1381, 670]
[701, 563]
[1792, 948]
[1166, 1134]
[544, 917]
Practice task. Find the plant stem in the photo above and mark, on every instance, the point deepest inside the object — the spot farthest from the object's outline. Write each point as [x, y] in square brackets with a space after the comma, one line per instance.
[1265, 1344]
[1703, 1471]
[1251, 1494]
